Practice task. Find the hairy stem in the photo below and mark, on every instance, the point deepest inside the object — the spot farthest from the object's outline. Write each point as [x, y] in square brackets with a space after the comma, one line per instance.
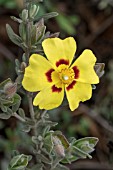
[31, 109]
[55, 163]
[18, 117]
[28, 32]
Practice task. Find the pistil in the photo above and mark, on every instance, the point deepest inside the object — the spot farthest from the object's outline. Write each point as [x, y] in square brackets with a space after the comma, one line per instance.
[66, 75]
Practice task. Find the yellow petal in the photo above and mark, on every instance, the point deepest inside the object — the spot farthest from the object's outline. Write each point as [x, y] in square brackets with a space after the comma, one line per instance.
[49, 98]
[85, 64]
[35, 77]
[59, 51]
[79, 92]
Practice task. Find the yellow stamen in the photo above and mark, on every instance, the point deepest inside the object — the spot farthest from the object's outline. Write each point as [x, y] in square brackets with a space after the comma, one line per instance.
[66, 75]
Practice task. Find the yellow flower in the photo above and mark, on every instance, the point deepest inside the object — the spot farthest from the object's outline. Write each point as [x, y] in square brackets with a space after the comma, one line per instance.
[56, 74]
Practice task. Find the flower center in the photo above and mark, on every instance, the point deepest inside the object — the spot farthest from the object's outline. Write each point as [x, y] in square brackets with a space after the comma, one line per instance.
[66, 75]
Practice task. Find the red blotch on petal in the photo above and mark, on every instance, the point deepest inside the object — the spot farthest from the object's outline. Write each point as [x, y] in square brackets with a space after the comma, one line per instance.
[71, 85]
[76, 71]
[62, 61]
[48, 75]
[56, 89]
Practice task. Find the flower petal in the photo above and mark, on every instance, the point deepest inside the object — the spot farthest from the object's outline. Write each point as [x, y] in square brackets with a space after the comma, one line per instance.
[49, 98]
[78, 92]
[59, 51]
[85, 65]
[38, 74]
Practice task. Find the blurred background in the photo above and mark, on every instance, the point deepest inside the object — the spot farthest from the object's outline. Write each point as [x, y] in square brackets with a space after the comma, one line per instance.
[90, 22]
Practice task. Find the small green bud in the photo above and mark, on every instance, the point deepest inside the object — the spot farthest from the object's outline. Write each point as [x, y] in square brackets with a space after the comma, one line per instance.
[10, 89]
[40, 138]
[34, 10]
[17, 62]
[25, 15]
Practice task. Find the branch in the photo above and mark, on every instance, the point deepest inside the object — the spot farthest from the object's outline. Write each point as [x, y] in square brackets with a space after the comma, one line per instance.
[18, 117]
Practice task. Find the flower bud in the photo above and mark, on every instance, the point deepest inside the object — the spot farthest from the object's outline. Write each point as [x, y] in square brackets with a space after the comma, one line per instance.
[10, 89]
[34, 10]
[99, 69]
[25, 15]
[23, 66]
[40, 29]
[59, 148]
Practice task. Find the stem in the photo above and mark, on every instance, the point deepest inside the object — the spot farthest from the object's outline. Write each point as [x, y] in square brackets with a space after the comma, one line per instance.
[25, 3]
[55, 163]
[27, 53]
[31, 109]
[43, 113]
[18, 117]
[28, 32]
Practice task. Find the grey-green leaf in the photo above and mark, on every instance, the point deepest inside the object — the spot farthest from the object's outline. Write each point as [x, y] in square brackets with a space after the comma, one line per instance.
[43, 158]
[61, 167]
[47, 16]
[21, 113]
[16, 103]
[13, 37]
[5, 116]
[22, 31]
[4, 82]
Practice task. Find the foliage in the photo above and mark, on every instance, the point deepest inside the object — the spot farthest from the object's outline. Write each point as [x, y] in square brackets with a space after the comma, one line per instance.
[8, 3]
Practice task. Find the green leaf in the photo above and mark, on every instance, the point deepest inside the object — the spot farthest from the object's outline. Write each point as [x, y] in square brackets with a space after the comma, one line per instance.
[39, 166]
[19, 79]
[48, 144]
[9, 111]
[24, 15]
[61, 167]
[22, 31]
[3, 108]
[26, 128]
[86, 144]
[74, 154]
[33, 10]
[6, 102]
[5, 116]
[17, 62]
[21, 113]
[35, 140]
[30, 121]
[52, 124]
[88, 141]
[33, 34]
[2, 84]
[19, 162]
[43, 158]
[80, 153]
[80, 149]
[46, 16]
[15, 153]
[16, 19]
[13, 37]
[66, 24]
[16, 103]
